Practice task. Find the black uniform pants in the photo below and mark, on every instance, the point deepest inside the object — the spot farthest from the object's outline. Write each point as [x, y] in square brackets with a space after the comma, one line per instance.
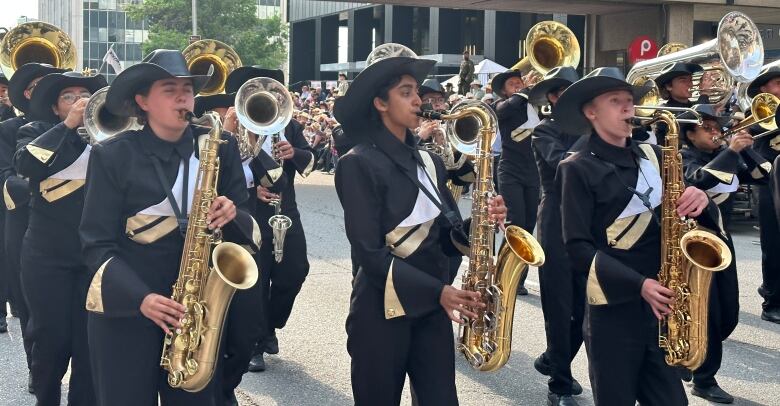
[5, 285]
[281, 282]
[626, 365]
[56, 291]
[521, 197]
[722, 320]
[15, 227]
[770, 248]
[242, 331]
[125, 355]
[384, 351]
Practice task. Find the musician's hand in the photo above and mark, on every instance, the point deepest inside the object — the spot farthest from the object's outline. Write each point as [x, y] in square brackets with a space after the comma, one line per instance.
[230, 123]
[740, 141]
[285, 150]
[456, 300]
[692, 202]
[6, 100]
[426, 129]
[265, 195]
[657, 296]
[222, 211]
[75, 118]
[497, 210]
[164, 312]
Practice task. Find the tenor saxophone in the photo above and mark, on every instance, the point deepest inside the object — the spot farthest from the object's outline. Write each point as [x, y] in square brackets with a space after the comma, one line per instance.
[689, 256]
[209, 274]
[486, 340]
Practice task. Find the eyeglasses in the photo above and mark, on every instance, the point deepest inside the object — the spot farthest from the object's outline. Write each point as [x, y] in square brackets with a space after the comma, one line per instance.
[711, 130]
[433, 100]
[71, 98]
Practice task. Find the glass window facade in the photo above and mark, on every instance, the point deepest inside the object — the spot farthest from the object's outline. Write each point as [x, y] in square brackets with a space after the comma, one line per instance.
[105, 24]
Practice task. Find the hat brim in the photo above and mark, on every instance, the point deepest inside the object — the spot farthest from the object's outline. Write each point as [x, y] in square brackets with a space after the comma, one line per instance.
[538, 94]
[667, 77]
[120, 99]
[426, 90]
[354, 108]
[21, 80]
[48, 89]
[501, 78]
[206, 103]
[567, 112]
[755, 86]
[241, 75]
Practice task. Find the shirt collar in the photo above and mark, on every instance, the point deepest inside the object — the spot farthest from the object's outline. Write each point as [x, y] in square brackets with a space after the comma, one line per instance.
[404, 153]
[165, 149]
[621, 156]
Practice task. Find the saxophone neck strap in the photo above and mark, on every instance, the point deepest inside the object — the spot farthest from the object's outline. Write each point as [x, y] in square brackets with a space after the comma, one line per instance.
[181, 216]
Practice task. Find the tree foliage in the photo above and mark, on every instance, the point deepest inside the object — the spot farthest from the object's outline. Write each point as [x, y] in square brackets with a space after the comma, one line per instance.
[234, 22]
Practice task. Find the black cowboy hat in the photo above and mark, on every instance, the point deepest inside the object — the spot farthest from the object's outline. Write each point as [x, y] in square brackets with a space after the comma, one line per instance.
[554, 79]
[674, 70]
[21, 80]
[239, 76]
[498, 82]
[767, 74]
[3, 79]
[430, 86]
[354, 108]
[707, 112]
[207, 103]
[49, 87]
[568, 110]
[157, 65]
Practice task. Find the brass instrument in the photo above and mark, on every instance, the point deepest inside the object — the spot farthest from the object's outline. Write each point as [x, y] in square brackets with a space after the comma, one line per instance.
[209, 274]
[443, 149]
[689, 256]
[549, 44]
[265, 107]
[36, 42]
[735, 56]
[99, 123]
[486, 341]
[202, 54]
[763, 110]
[743, 100]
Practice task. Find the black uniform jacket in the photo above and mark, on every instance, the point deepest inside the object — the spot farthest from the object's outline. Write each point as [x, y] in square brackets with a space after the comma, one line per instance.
[282, 180]
[550, 146]
[16, 191]
[400, 240]
[768, 146]
[609, 233]
[54, 158]
[719, 173]
[131, 237]
[516, 150]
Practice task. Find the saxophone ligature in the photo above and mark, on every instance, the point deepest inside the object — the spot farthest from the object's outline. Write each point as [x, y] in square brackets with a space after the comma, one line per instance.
[689, 256]
[209, 274]
[486, 340]
[265, 107]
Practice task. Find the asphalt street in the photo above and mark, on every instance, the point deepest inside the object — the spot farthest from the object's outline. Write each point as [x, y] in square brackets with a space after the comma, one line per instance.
[312, 367]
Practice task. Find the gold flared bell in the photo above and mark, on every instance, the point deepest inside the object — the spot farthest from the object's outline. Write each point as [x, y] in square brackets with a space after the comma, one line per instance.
[36, 42]
[201, 55]
[549, 44]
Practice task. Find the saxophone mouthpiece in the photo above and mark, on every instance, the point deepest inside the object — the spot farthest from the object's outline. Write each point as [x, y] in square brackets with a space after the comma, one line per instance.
[430, 114]
[186, 115]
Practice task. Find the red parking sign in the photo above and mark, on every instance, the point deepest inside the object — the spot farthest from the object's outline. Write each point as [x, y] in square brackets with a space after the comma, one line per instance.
[642, 48]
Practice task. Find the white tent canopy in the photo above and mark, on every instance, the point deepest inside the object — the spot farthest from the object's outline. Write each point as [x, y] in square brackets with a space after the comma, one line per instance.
[484, 70]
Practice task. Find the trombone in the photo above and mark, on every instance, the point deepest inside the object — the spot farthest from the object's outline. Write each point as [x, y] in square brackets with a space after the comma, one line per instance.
[642, 119]
[763, 111]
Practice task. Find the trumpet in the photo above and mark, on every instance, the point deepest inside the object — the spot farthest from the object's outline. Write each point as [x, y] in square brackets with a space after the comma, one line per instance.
[99, 123]
[763, 109]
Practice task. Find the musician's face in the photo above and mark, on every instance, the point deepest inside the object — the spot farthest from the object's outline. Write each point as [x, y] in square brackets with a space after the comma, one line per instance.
[772, 86]
[610, 114]
[28, 90]
[436, 100]
[165, 102]
[402, 105]
[513, 85]
[67, 97]
[3, 90]
[680, 87]
[701, 137]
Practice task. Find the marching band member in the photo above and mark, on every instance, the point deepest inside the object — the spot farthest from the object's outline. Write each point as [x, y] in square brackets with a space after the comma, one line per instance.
[281, 281]
[562, 290]
[719, 169]
[6, 108]
[53, 156]
[518, 177]
[6, 112]
[769, 147]
[459, 170]
[139, 188]
[610, 190]
[17, 192]
[398, 216]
